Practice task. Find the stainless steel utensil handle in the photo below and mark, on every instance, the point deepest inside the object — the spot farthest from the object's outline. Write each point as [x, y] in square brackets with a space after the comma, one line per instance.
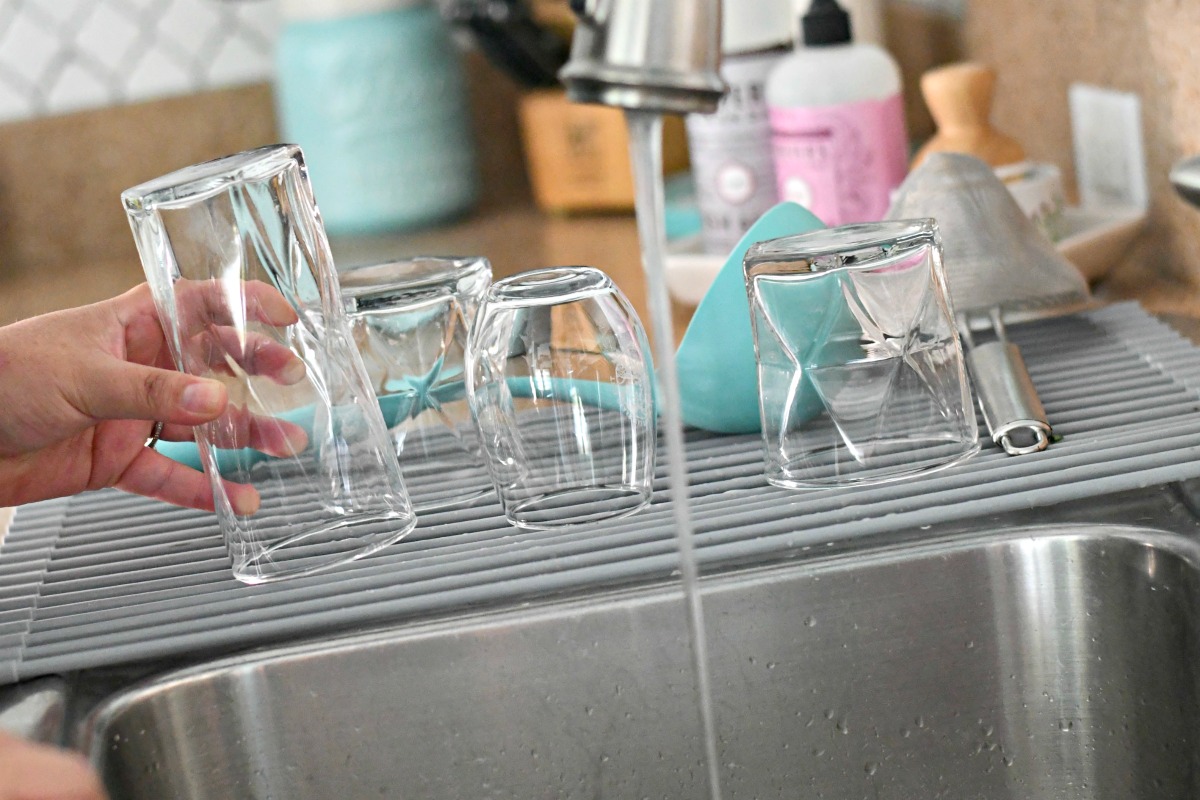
[1008, 398]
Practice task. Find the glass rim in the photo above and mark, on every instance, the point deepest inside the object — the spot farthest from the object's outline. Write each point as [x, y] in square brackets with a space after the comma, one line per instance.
[198, 182]
[405, 274]
[833, 241]
[550, 286]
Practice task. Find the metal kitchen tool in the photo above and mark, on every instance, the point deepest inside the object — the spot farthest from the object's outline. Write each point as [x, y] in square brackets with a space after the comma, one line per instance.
[999, 266]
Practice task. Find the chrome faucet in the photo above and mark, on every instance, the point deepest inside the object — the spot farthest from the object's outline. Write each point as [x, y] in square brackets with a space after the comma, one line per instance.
[652, 55]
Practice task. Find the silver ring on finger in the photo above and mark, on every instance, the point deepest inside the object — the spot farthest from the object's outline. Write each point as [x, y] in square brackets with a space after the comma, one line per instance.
[155, 433]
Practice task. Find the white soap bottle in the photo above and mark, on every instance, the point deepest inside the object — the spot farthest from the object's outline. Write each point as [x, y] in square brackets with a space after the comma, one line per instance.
[731, 149]
[837, 121]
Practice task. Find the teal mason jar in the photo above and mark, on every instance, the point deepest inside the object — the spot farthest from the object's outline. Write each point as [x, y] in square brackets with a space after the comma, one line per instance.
[374, 93]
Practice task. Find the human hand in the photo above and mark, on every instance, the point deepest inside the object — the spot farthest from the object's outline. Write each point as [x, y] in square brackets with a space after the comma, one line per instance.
[37, 772]
[80, 390]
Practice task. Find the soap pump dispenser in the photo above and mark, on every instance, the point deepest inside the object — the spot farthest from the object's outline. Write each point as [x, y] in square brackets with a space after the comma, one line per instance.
[837, 121]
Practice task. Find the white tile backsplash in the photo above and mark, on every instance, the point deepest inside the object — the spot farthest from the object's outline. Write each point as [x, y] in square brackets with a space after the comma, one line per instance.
[58, 56]
[106, 37]
[27, 50]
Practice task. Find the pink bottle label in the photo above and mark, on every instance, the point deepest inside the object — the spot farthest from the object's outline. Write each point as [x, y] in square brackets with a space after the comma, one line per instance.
[841, 162]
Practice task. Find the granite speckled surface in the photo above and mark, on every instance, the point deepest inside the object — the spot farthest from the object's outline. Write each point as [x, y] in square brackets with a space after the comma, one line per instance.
[1145, 46]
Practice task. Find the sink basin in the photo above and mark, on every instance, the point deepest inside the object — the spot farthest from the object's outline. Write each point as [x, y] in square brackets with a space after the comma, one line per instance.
[1054, 661]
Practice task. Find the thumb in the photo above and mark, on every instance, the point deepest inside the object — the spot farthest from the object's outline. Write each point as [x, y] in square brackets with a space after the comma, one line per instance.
[134, 391]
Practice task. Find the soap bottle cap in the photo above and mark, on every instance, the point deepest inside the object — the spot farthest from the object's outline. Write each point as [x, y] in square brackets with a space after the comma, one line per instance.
[825, 23]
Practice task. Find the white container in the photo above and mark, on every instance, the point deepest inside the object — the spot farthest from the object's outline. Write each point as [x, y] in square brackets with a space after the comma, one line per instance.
[731, 149]
[837, 122]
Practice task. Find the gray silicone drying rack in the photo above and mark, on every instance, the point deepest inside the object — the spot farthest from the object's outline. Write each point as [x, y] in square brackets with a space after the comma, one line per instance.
[107, 579]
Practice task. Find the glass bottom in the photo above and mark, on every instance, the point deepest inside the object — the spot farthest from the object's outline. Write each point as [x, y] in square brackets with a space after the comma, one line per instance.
[323, 548]
[435, 484]
[450, 501]
[800, 473]
[576, 506]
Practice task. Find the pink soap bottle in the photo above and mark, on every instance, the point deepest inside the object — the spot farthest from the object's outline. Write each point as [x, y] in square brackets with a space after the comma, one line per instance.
[837, 121]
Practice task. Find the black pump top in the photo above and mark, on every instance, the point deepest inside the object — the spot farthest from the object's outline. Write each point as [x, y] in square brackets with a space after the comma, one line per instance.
[825, 23]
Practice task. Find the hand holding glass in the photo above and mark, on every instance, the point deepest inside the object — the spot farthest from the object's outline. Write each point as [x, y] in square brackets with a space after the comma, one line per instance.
[243, 280]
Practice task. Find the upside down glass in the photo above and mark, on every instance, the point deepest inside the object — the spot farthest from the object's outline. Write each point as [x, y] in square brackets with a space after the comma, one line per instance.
[561, 388]
[244, 283]
[410, 320]
[861, 372]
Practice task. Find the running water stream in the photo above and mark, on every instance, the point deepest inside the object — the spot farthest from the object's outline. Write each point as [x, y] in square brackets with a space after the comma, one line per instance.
[645, 138]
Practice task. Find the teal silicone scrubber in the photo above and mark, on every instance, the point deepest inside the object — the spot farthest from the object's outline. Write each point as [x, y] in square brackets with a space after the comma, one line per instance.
[718, 374]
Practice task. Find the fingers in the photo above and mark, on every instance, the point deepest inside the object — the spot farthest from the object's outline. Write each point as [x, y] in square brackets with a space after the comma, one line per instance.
[145, 343]
[275, 437]
[39, 772]
[120, 390]
[201, 303]
[152, 474]
[240, 428]
[254, 353]
[216, 330]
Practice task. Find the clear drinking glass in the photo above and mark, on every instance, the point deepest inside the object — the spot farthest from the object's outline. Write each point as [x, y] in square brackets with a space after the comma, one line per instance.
[561, 388]
[242, 276]
[861, 373]
[410, 321]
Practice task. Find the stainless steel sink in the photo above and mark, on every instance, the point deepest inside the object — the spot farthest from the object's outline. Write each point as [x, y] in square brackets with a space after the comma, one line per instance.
[1053, 661]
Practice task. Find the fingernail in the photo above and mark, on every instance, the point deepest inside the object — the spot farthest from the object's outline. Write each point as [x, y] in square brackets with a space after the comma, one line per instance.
[205, 398]
[294, 372]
